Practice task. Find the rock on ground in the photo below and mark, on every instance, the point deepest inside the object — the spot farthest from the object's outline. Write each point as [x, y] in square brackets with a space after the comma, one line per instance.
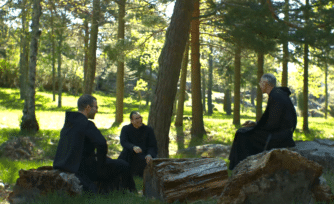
[43, 180]
[319, 150]
[172, 180]
[275, 177]
[208, 150]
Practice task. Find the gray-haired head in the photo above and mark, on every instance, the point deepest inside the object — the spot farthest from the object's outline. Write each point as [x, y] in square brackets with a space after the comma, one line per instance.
[133, 113]
[270, 78]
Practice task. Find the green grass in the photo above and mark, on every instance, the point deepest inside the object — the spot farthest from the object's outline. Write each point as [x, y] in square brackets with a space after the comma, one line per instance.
[9, 169]
[51, 118]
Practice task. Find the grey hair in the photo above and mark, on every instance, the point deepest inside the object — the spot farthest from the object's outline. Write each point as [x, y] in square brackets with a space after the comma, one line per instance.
[270, 78]
[133, 113]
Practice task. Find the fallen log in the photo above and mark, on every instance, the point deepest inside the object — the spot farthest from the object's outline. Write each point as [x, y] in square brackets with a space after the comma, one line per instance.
[181, 180]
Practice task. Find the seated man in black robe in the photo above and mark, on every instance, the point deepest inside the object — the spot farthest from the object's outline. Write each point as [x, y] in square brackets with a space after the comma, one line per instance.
[273, 130]
[79, 138]
[139, 144]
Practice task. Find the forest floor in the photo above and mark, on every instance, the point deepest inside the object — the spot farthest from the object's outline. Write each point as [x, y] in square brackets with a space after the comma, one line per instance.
[219, 127]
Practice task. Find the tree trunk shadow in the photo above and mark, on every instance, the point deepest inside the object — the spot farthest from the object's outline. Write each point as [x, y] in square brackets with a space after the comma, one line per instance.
[195, 141]
[179, 137]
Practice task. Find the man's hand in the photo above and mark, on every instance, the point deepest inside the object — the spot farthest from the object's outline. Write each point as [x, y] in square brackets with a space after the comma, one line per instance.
[249, 123]
[137, 149]
[148, 158]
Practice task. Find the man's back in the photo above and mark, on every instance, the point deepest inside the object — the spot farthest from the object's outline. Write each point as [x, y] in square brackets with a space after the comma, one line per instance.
[280, 113]
[76, 130]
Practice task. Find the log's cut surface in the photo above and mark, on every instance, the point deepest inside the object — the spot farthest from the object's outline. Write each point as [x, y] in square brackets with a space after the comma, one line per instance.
[170, 180]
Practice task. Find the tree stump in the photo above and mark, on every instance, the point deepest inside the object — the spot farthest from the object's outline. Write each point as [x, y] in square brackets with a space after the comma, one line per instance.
[170, 180]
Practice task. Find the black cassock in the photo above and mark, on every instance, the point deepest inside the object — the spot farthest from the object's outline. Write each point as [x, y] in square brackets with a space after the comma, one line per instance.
[277, 122]
[79, 138]
[142, 137]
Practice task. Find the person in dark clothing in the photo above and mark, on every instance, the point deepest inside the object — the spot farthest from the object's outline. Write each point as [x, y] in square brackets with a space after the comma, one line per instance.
[79, 138]
[139, 144]
[273, 130]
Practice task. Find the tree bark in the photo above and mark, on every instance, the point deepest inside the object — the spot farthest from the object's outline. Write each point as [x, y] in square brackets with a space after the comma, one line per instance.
[150, 84]
[260, 62]
[305, 89]
[227, 102]
[285, 48]
[203, 89]
[180, 108]
[210, 106]
[169, 70]
[120, 65]
[86, 49]
[60, 81]
[53, 55]
[92, 48]
[253, 95]
[197, 128]
[24, 55]
[326, 85]
[237, 81]
[184, 180]
[29, 122]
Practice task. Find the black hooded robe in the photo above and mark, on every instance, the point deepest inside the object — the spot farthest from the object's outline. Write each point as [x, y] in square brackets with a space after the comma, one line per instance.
[277, 122]
[76, 154]
[142, 137]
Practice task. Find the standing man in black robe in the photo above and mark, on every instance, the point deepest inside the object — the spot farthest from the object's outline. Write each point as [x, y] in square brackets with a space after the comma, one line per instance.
[273, 130]
[76, 151]
[139, 144]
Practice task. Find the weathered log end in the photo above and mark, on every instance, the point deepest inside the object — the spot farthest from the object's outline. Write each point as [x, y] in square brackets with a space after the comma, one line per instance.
[172, 180]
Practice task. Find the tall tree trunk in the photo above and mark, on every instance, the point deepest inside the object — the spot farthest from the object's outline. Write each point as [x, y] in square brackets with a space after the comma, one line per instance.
[149, 90]
[24, 55]
[53, 54]
[227, 102]
[29, 122]
[180, 108]
[86, 48]
[92, 48]
[60, 81]
[203, 89]
[326, 84]
[237, 81]
[197, 128]
[260, 62]
[169, 70]
[253, 95]
[120, 65]
[285, 47]
[210, 107]
[305, 89]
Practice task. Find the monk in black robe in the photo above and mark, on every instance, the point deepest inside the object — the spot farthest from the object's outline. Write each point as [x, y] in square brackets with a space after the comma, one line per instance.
[79, 138]
[139, 144]
[273, 130]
